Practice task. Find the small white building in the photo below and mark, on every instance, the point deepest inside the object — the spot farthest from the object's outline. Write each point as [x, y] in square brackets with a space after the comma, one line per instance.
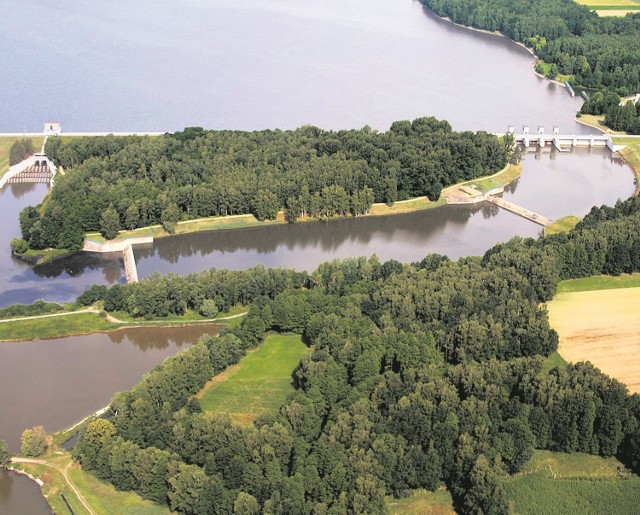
[52, 128]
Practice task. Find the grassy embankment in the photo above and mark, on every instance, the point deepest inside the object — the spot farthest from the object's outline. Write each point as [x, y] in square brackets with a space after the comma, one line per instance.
[555, 482]
[564, 224]
[505, 176]
[74, 323]
[102, 498]
[631, 154]
[5, 147]
[217, 223]
[260, 383]
[597, 321]
[477, 187]
[54, 327]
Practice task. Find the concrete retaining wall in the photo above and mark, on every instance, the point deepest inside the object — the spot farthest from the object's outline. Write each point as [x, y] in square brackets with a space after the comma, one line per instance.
[476, 199]
[16, 169]
[114, 246]
[130, 268]
[20, 167]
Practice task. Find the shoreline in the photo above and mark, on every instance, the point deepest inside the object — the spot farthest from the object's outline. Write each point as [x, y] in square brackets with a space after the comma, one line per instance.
[126, 325]
[105, 331]
[500, 34]
[247, 220]
[227, 223]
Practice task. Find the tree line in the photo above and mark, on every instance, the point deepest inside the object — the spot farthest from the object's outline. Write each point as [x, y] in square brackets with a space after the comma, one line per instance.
[599, 52]
[417, 376]
[20, 150]
[618, 117]
[114, 183]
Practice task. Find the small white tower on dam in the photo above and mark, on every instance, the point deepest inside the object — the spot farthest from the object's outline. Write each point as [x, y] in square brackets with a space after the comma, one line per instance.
[52, 128]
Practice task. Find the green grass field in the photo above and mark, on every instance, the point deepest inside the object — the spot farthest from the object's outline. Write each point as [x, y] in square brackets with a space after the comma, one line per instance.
[260, 383]
[421, 502]
[599, 282]
[5, 147]
[562, 225]
[554, 483]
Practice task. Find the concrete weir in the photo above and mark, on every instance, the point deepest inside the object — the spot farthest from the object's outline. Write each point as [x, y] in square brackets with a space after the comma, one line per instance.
[124, 246]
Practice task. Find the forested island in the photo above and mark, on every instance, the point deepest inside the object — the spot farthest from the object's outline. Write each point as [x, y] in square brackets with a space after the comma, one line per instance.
[596, 54]
[416, 376]
[114, 183]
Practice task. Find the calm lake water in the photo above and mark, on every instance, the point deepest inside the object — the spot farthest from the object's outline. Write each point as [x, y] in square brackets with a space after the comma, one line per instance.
[161, 66]
[56, 383]
[21, 496]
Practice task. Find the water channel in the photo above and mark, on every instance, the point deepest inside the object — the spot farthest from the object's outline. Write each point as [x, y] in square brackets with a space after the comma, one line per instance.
[552, 184]
[270, 63]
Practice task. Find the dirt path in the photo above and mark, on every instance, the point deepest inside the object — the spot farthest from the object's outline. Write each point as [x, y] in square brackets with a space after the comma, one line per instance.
[88, 310]
[113, 319]
[64, 474]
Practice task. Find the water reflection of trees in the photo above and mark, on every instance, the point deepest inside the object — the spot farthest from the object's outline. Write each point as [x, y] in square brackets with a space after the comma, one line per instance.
[20, 189]
[325, 237]
[79, 263]
[512, 186]
[489, 210]
[146, 338]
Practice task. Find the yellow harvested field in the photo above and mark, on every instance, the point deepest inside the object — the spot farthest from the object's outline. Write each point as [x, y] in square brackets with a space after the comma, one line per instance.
[607, 2]
[602, 327]
[616, 12]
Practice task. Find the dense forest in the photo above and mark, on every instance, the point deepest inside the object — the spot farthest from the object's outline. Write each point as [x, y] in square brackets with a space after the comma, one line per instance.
[618, 117]
[128, 182]
[417, 376]
[599, 52]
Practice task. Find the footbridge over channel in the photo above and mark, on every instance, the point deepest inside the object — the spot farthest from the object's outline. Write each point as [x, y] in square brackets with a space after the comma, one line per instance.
[561, 141]
[519, 210]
